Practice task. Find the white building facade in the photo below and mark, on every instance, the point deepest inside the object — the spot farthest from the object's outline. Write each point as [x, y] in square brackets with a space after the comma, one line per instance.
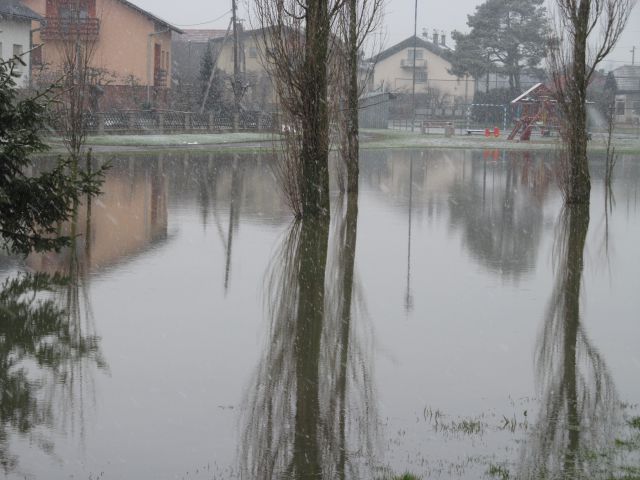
[393, 71]
[15, 37]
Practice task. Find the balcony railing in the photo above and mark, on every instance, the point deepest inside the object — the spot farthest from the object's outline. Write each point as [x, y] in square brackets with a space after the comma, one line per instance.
[61, 28]
[408, 63]
[160, 78]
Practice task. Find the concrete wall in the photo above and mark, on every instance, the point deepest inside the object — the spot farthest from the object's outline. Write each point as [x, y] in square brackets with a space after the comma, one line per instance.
[15, 31]
[390, 75]
[125, 45]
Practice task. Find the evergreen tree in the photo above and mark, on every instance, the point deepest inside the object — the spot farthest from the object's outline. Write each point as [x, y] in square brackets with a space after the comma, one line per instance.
[32, 207]
[507, 37]
[214, 98]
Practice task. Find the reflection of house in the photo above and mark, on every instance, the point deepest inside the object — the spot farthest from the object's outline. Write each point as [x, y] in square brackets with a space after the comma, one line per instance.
[15, 36]
[393, 71]
[132, 46]
[628, 93]
[128, 218]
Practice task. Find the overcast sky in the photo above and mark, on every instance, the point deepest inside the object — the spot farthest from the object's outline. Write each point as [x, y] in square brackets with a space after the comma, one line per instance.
[446, 15]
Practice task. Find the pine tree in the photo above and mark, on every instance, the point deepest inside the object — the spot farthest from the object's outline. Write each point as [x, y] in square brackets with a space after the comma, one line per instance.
[32, 207]
[507, 37]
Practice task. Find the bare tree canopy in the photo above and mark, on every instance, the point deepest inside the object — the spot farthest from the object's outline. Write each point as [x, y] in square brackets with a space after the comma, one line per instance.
[585, 33]
[296, 40]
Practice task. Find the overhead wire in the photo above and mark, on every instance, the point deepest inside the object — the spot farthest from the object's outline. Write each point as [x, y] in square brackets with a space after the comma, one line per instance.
[204, 23]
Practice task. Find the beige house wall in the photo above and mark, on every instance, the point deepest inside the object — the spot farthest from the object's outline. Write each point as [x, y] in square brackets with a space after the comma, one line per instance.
[390, 75]
[124, 49]
[252, 58]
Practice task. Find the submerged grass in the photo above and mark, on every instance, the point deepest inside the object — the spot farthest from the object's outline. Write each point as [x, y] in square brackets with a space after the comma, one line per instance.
[498, 471]
[369, 139]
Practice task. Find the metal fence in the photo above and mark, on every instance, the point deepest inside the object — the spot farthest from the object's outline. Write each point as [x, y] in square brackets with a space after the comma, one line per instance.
[169, 121]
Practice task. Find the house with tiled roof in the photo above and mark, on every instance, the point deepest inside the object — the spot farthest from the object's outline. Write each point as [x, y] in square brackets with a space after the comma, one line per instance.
[627, 93]
[15, 37]
[394, 67]
[132, 47]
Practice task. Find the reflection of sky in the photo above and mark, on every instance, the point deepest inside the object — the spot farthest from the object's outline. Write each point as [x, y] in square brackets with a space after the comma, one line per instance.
[181, 351]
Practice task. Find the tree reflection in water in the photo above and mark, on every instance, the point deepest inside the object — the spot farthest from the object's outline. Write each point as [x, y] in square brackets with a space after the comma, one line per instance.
[500, 212]
[580, 408]
[48, 351]
[310, 412]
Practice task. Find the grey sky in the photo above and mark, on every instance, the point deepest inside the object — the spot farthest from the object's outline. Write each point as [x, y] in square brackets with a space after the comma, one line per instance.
[444, 15]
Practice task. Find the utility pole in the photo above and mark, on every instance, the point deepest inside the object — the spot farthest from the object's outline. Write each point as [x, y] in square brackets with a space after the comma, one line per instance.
[236, 69]
[415, 45]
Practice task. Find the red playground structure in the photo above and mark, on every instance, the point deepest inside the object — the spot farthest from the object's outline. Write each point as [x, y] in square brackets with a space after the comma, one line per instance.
[535, 108]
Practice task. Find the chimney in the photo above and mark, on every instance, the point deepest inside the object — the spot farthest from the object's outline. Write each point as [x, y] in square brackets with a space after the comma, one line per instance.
[442, 38]
[435, 37]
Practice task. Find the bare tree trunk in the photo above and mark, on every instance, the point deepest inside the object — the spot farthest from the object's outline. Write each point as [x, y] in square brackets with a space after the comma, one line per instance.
[314, 188]
[579, 179]
[573, 61]
[353, 94]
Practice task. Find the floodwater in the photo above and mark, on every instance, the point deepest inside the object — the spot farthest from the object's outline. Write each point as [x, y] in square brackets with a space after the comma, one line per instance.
[453, 322]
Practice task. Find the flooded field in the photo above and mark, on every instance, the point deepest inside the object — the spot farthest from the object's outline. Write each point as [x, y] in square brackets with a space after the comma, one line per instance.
[454, 321]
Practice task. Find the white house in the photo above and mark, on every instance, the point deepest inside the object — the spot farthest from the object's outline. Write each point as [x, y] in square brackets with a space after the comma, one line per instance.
[393, 71]
[628, 93]
[15, 36]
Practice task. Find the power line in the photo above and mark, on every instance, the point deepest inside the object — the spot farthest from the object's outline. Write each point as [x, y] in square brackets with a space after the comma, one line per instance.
[204, 23]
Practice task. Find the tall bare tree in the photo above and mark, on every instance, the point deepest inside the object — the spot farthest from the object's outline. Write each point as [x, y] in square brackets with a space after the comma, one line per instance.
[357, 20]
[75, 38]
[586, 32]
[296, 40]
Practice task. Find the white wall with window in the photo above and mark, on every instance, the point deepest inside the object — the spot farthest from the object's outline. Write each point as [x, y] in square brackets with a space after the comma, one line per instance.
[15, 39]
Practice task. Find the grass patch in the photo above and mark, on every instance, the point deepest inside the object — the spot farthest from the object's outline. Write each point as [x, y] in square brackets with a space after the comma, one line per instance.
[635, 423]
[498, 471]
[405, 476]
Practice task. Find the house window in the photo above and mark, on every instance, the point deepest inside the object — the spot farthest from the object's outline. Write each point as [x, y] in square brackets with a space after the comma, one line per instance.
[72, 12]
[253, 52]
[636, 107]
[417, 52]
[421, 76]
[620, 108]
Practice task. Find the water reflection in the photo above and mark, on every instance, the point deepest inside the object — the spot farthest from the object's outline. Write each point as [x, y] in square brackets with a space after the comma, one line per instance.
[494, 200]
[579, 404]
[311, 409]
[500, 211]
[49, 349]
[130, 217]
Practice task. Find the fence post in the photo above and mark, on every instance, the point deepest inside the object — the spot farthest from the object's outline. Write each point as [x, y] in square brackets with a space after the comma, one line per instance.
[161, 122]
[504, 118]
[210, 121]
[187, 121]
[100, 124]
